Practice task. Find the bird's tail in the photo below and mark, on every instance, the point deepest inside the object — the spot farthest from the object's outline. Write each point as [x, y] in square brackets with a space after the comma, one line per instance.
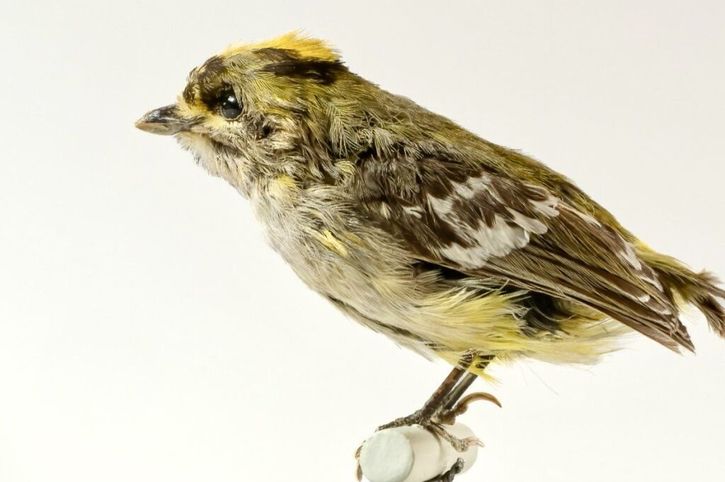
[699, 289]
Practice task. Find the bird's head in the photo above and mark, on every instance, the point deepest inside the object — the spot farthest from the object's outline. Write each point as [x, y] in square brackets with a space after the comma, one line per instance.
[258, 110]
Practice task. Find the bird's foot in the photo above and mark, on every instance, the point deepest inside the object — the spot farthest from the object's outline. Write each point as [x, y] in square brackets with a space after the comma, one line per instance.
[435, 424]
[459, 444]
[415, 418]
[451, 474]
[436, 427]
[448, 416]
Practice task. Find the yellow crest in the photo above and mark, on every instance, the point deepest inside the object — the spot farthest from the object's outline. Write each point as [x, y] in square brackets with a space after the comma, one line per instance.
[303, 46]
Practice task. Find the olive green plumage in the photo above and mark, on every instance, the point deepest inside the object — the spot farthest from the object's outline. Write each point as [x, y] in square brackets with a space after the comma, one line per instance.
[418, 228]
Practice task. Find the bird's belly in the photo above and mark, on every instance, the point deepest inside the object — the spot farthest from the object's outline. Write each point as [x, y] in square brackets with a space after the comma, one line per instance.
[362, 271]
[372, 288]
[383, 293]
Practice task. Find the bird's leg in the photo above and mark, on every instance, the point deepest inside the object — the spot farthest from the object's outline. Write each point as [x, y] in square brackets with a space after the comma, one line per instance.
[452, 407]
[442, 408]
[437, 401]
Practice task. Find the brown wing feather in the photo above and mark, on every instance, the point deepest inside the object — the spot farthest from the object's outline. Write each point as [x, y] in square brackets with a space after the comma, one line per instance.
[551, 264]
[486, 224]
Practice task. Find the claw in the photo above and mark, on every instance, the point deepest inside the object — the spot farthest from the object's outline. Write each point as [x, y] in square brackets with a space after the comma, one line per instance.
[458, 444]
[436, 412]
[416, 418]
[448, 417]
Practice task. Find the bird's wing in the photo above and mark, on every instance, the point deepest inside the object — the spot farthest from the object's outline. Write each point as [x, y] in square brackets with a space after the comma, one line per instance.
[484, 223]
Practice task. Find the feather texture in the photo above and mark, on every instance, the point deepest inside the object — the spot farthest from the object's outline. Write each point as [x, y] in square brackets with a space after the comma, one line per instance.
[492, 225]
[418, 228]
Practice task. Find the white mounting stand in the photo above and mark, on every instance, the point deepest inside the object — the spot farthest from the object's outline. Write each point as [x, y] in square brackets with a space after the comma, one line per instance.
[413, 454]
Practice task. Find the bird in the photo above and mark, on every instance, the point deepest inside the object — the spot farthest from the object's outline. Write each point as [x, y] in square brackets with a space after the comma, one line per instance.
[452, 246]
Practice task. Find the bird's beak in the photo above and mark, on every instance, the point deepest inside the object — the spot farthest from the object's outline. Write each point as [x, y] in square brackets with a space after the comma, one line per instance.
[164, 120]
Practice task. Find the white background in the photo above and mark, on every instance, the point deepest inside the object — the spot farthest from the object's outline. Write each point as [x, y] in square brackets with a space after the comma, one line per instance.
[148, 334]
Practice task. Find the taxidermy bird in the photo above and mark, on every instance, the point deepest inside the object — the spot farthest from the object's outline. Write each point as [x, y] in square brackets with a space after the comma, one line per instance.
[453, 246]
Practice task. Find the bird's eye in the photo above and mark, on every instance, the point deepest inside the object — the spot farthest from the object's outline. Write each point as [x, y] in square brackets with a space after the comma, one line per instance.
[229, 105]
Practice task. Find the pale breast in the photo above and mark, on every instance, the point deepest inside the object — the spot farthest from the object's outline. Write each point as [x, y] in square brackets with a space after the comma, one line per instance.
[334, 254]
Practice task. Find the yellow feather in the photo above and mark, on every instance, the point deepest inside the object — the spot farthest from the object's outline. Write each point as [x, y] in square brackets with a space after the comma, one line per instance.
[304, 46]
[332, 243]
[460, 319]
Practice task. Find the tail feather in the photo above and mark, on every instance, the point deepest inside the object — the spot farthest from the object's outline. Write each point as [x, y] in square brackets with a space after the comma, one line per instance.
[706, 296]
[713, 311]
[699, 289]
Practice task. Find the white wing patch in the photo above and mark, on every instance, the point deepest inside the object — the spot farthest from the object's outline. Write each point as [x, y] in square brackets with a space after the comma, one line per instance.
[645, 273]
[628, 255]
[492, 219]
[506, 230]
[474, 185]
[497, 240]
